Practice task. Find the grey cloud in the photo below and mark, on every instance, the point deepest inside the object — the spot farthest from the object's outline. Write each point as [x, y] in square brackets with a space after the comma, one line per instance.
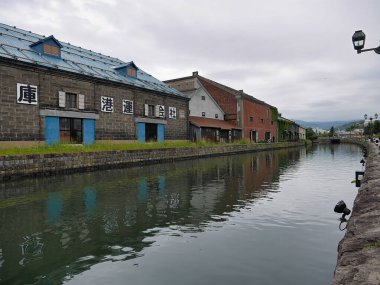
[294, 54]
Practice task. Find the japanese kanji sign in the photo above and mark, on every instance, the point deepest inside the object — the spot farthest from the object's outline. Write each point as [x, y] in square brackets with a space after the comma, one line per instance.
[172, 113]
[127, 107]
[160, 111]
[107, 104]
[27, 94]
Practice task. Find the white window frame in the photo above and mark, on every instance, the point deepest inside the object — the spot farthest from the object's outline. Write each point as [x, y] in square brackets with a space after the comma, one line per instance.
[80, 101]
[61, 99]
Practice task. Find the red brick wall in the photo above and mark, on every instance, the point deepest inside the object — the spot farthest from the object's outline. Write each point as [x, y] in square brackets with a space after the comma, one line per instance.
[224, 99]
[258, 112]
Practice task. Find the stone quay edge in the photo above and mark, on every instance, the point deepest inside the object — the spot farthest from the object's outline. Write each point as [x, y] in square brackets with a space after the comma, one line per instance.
[16, 166]
[359, 250]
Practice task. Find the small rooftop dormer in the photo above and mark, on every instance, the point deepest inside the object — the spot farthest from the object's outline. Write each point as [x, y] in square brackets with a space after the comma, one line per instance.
[48, 46]
[129, 69]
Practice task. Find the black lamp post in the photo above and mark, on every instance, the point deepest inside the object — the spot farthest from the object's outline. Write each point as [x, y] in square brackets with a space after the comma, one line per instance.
[365, 119]
[358, 39]
[372, 124]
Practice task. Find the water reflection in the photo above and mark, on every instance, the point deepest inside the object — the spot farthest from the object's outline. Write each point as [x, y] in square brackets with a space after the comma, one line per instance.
[54, 207]
[90, 199]
[55, 228]
[94, 216]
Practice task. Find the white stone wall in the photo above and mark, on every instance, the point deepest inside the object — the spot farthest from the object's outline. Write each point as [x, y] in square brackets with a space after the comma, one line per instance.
[208, 105]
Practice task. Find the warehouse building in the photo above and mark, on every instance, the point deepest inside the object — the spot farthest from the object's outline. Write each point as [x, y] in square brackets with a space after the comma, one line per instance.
[54, 92]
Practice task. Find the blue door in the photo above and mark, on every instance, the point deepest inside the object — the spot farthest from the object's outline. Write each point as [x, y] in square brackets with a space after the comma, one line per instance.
[88, 131]
[160, 133]
[52, 130]
[141, 132]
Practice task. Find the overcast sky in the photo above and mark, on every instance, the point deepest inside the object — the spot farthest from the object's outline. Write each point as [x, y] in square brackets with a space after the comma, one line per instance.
[294, 54]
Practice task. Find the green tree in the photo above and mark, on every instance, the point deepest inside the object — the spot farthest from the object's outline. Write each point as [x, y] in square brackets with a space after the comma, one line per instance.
[372, 128]
[367, 129]
[310, 134]
[351, 128]
[332, 132]
[376, 127]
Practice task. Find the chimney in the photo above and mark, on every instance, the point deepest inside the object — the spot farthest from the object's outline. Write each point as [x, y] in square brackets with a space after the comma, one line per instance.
[195, 73]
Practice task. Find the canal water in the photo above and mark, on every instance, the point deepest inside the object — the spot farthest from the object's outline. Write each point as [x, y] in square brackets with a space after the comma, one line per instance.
[258, 218]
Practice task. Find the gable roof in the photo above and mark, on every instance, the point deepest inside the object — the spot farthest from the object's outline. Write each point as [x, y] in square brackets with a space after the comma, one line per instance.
[225, 99]
[234, 91]
[194, 92]
[46, 39]
[126, 65]
[16, 44]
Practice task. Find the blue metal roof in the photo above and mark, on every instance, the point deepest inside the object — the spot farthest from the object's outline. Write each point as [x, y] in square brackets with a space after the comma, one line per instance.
[16, 44]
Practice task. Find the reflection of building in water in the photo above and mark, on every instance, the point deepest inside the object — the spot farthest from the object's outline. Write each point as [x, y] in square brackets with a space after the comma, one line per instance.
[1, 258]
[210, 189]
[76, 215]
[54, 207]
[90, 199]
[258, 169]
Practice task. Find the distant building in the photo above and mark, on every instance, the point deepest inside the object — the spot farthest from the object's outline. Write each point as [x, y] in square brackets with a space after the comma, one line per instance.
[211, 103]
[55, 92]
[287, 130]
[301, 132]
[319, 131]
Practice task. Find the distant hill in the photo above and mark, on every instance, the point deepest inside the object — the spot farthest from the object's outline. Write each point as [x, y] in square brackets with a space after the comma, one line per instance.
[342, 125]
[345, 126]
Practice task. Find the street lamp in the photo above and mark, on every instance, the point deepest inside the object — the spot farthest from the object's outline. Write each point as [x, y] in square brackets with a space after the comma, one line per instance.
[358, 39]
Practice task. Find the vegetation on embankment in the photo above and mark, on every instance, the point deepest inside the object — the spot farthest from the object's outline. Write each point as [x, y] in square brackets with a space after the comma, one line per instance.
[104, 146]
[105, 157]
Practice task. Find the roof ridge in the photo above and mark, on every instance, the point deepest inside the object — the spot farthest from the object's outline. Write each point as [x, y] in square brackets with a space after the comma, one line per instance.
[16, 44]
[179, 78]
[219, 84]
[17, 30]
[65, 44]
[234, 90]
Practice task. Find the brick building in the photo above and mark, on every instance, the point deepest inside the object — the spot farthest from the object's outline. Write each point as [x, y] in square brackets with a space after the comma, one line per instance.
[256, 119]
[289, 130]
[55, 92]
[207, 118]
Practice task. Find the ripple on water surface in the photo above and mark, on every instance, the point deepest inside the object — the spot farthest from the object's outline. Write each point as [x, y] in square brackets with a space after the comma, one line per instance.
[260, 218]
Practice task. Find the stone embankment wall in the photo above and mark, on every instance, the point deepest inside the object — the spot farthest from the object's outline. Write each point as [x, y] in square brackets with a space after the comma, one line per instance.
[47, 164]
[359, 250]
